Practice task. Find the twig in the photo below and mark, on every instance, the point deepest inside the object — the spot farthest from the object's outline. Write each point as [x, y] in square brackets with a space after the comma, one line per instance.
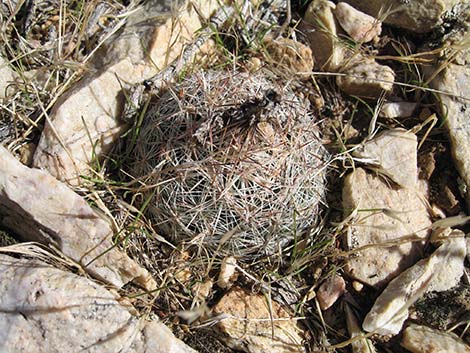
[155, 83]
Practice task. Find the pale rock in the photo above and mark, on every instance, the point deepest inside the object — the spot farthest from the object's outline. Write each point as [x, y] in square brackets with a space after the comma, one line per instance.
[393, 110]
[290, 56]
[47, 310]
[393, 153]
[358, 286]
[321, 30]
[422, 339]
[227, 274]
[252, 326]
[418, 16]
[362, 345]
[7, 77]
[450, 257]
[85, 121]
[158, 338]
[388, 215]
[39, 208]
[364, 77]
[455, 107]
[330, 290]
[439, 272]
[361, 27]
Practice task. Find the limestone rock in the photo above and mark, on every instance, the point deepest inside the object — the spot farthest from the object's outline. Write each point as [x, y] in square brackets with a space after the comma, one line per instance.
[330, 291]
[418, 16]
[449, 258]
[366, 78]
[46, 310]
[38, 207]
[394, 154]
[290, 56]
[439, 272]
[248, 326]
[397, 109]
[158, 338]
[85, 120]
[387, 215]
[420, 339]
[321, 29]
[455, 80]
[7, 76]
[361, 27]
[227, 273]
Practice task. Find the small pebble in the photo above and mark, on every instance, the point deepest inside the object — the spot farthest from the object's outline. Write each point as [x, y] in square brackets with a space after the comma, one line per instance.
[358, 286]
[227, 273]
[397, 110]
[330, 290]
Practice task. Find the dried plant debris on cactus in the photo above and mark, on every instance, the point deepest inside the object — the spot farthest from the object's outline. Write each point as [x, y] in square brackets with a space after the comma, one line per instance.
[235, 161]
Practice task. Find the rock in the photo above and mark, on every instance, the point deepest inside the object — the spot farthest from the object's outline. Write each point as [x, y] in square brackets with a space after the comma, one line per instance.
[393, 110]
[366, 78]
[227, 273]
[361, 27]
[330, 290]
[7, 77]
[85, 121]
[418, 16]
[449, 267]
[321, 30]
[290, 56]
[158, 338]
[387, 215]
[253, 327]
[393, 153]
[363, 345]
[358, 286]
[39, 208]
[455, 79]
[46, 310]
[421, 339]
[439, 272]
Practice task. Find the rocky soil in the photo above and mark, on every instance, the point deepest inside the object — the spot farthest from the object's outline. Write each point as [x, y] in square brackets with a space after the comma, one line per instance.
[202, 176]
